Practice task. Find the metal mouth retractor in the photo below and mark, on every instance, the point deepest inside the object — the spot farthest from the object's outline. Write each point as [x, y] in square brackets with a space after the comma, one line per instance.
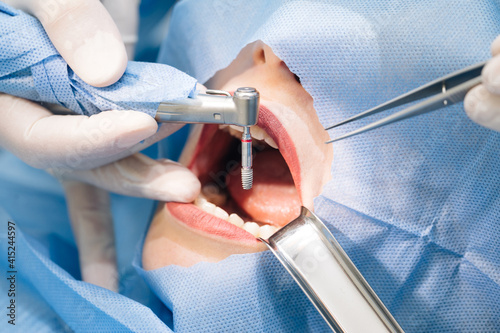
[322, 269]
[219, 107]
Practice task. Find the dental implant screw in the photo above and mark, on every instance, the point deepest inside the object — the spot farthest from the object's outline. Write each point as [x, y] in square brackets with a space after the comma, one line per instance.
[246, 159]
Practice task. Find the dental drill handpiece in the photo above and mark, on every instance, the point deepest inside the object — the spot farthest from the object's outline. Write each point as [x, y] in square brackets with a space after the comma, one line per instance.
[219, 107]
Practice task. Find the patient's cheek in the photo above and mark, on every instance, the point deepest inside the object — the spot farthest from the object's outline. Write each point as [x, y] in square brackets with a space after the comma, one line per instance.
[166, 246]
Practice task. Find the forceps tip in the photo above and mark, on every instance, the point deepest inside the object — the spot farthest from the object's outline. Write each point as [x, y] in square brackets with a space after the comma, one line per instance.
[359, 131]
[339, 138]
[345, 121]
[333, 126]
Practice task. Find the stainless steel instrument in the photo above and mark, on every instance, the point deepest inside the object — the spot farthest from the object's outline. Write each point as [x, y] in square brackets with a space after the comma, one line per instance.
[219, 107]
[328, 277]
[445, 91]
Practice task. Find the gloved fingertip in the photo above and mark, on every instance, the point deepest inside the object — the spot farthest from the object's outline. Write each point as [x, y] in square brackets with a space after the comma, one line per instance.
[102, 274]
[180, 185]
[100, 68]
[495, 46]
[126, 128]
[187, 190]
[483, 107]
[193, 188]
[491, 75]
[86, 37]
[474, 102]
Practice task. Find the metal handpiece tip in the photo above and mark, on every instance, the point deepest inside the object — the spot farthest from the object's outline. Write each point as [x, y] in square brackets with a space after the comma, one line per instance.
[246, 159]
[246, 178]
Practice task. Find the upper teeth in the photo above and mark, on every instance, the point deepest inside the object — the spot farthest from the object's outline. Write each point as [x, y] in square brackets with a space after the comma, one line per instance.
[264, 231]
[256, 132]
[236, 220]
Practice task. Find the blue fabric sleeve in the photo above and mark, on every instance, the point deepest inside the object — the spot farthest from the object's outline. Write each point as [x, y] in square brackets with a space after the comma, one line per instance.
[31, 67]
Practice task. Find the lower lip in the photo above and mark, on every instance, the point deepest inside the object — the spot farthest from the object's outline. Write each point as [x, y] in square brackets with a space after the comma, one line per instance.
[195, 218]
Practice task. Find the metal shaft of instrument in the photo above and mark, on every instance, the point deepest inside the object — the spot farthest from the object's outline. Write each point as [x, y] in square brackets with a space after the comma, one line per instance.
[246, 159]
[219, 107]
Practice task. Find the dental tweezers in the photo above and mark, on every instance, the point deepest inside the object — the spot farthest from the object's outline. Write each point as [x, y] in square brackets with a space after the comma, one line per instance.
[445, 91]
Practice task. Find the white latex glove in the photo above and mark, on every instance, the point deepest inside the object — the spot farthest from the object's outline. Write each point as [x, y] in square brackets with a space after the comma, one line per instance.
[85, 35]
[89, 206]
[92, 226]
[125, 15]
[482, 103]
[82, 151]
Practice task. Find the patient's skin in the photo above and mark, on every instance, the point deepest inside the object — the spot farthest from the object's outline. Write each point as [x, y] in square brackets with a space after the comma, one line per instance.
[184, 234]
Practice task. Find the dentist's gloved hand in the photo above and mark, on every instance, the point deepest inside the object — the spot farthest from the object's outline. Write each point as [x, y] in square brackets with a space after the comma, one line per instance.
[482, 103]
[86, 36]
[89, 154]
[89, 206]
[84, 33]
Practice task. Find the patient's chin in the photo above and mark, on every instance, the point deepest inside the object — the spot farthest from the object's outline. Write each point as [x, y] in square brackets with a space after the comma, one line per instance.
[170, 242]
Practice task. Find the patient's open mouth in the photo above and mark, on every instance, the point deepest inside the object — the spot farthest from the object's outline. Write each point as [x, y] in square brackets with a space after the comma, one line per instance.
[223, 207]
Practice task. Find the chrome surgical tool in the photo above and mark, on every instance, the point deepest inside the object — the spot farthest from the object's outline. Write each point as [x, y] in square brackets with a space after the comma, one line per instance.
[219, 107]
[331, 281]
[445, 91]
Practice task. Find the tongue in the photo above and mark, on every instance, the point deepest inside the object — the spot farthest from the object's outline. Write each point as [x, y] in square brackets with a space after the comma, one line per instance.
[273, 198]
